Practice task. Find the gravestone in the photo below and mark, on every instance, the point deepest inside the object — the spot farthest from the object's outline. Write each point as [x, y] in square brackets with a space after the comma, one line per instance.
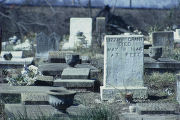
[46, 44]
[123, 66]
[178, 88]
[164, 39]
[80, 33]
[42, 45]
[54, 41]
[100, 25]
[177, 35]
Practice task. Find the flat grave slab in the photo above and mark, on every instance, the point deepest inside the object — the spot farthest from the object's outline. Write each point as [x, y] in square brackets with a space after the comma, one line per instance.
[34, 99]
[74, 83]
[58, 56]
[32, 111]
[15, 54]
[156, 108]
[162, 63]
[52, 69]
[7, 89]
[75, 73]
[133, 116]
[44, 80]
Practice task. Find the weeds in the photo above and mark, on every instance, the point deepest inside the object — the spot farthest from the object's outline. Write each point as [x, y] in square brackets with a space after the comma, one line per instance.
[98, 113]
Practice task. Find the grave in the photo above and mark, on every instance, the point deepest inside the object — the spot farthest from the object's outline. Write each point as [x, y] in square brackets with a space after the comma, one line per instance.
[58, 56]
[34, 98]
[178, 88]
[46, 44]
[54, 41]
[123, 67]
[156, 108]
[80, 33]
[75, 78]
[75, 73]
[164, 39]
[52, 69]
[101, 25]
[42, 45]
[44, 80]
[32, 111]
[15, 54]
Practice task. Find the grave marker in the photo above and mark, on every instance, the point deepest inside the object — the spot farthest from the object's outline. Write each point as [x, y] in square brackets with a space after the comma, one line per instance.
[123, 66]
[164, 39]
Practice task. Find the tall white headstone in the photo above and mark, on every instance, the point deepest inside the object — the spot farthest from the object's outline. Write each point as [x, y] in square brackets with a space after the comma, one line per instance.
[80, 33]
[123, 66]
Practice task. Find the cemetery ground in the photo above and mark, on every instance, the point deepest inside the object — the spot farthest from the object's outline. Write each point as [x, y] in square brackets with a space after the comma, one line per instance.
[161, 89]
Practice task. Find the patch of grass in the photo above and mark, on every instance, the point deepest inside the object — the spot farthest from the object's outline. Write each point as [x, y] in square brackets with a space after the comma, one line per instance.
[160, 81]
[163, 83]
[98, 113]
[176, 54]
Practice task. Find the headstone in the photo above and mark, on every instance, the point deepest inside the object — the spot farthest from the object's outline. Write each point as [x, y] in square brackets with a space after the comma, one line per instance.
[123, 66]
[164, 39]
[80, 33]
[42, 45]
[177, 35]
[100, 24]
[178, 88]
[54, 41]
[75, 73]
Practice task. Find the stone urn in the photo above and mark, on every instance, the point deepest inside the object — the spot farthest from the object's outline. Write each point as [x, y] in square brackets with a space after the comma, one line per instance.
[155, 52]
[72, 60]
[7, 56]
[61, 99]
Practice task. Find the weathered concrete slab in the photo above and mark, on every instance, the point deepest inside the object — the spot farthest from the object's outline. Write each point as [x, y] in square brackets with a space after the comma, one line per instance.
[17, 61]
[132, 116]
[58, 56]
[32, 111]
[44, 80]
[74, 83]
[115, 92]
[75, 73]
[34, 99]
[162, 63]
[156, 108]
[6, 88]
[52, 69]
[15, 54]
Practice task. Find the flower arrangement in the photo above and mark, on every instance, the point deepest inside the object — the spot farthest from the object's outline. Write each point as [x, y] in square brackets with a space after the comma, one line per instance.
[26, 78]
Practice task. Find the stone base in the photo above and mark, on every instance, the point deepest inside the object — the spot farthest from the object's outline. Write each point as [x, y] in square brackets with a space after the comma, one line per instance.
[108, 93]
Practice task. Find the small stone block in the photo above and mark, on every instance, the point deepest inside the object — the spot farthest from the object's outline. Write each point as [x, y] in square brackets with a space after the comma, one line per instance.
[44, 80]
[75, 73]
[74, 83]
[156, 108]
[34, 98]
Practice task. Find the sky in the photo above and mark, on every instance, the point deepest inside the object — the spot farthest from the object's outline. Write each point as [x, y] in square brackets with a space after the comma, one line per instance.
[117, 3]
